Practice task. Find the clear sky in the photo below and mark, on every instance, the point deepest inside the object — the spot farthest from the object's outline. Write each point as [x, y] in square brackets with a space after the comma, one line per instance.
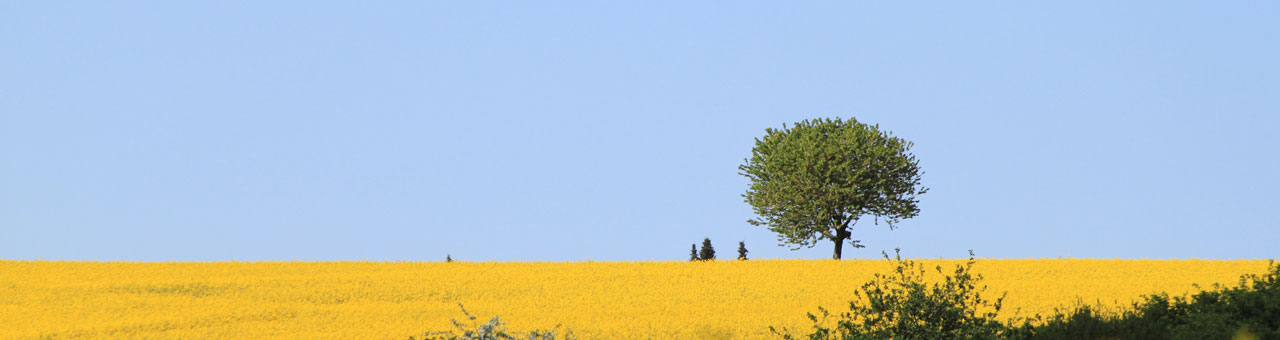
[180, 131]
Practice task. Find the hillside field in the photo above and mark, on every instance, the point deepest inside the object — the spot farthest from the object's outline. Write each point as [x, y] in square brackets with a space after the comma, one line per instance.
[598, 300]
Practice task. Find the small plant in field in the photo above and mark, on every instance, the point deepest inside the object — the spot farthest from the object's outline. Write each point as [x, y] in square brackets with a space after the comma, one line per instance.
[707, 253]
[693, 252]
[901, 305]
[742, 250]
[448, 258]
[492, 330]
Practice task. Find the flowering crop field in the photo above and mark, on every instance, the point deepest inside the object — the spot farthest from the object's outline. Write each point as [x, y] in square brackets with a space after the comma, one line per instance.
[598, 300]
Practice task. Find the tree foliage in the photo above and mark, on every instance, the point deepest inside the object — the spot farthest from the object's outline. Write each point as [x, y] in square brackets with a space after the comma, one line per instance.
[815, 180]
[707, 253]
[742, 250]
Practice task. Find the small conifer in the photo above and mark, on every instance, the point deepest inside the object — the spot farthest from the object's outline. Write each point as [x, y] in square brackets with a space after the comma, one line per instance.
[448, 258]
[693, 252]
[742, 250]
[707, 253]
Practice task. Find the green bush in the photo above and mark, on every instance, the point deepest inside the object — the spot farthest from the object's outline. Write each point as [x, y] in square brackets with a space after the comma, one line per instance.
[902, 306]
[1250, 310]
[491, 330]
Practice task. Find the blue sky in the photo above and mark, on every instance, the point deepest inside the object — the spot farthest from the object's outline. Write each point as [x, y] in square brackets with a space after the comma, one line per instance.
[160, 131]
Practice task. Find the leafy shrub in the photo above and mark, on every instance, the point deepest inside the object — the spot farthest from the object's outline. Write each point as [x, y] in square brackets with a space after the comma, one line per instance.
[1249, 311]
[491, 330]
[902, 306]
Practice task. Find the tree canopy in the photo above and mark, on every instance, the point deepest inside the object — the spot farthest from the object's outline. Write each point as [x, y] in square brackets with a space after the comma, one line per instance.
[707, 253]
[815, 180]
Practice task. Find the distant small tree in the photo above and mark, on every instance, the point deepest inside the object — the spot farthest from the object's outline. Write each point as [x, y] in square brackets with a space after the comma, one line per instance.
[693, 252]
[742, 250]
[707, 252]
[448, 258]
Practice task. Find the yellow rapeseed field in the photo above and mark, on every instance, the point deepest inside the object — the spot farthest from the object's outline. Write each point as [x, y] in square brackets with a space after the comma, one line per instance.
[599, 300]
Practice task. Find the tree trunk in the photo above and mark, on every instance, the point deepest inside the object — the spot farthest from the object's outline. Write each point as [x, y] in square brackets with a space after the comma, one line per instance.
[841, 235]
[839, 244]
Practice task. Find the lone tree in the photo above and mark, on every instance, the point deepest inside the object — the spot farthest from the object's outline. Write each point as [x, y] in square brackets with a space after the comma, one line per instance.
[742, 250]
[707, 253]
[815, 180]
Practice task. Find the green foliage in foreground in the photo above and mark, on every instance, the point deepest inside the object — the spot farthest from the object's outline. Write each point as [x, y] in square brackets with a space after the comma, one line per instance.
[901, 306]
[1250, 310]
[492, 330]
